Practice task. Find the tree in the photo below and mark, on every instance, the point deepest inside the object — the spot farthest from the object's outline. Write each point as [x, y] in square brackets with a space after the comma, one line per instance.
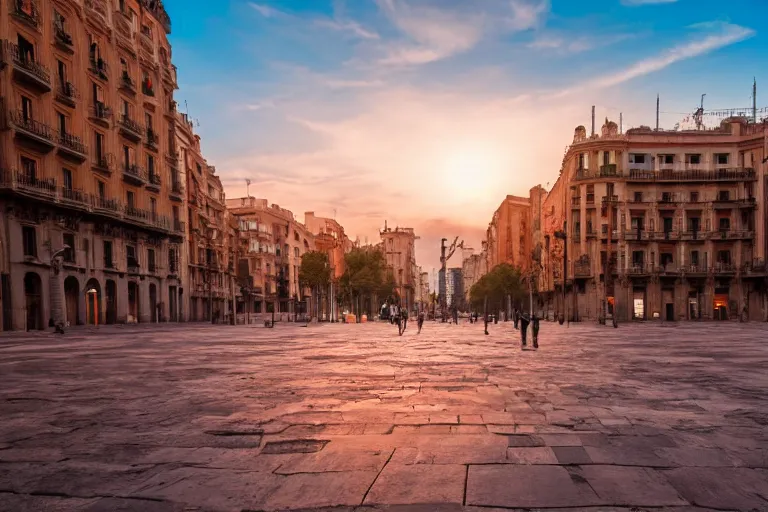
[315, 272]
[365, 278]
[501, 282]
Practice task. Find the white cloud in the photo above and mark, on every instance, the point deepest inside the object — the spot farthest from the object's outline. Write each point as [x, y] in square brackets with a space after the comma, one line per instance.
[575, 44]
[266, 10]
[634, 3]
[725, 35]
[352, 84]
[348, 26]
[436, 31]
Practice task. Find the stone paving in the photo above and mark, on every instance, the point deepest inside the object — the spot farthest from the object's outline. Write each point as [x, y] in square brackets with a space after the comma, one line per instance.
[355, 418]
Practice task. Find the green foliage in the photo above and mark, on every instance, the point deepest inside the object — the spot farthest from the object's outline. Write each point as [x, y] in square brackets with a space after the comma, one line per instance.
[502, 280]
[366, 274]
[315, 270]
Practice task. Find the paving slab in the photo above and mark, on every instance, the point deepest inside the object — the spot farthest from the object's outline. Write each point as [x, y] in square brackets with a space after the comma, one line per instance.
[229, 418]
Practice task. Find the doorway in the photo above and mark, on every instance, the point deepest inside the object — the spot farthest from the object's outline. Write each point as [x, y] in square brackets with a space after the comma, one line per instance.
[72, 300]
[111, 302]
[93, 302]
[153, 302]
[670, 312]
[721, 307]
[133, 302]
[33, 292]
[172, 308]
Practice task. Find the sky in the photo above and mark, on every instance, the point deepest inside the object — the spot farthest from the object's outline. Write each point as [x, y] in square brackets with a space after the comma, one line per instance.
[427, 113]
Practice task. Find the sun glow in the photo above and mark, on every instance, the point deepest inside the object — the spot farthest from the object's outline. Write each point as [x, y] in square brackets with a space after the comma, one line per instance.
[469, 171]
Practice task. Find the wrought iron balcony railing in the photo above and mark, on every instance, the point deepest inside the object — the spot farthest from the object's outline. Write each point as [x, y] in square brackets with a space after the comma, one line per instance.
[24, 122]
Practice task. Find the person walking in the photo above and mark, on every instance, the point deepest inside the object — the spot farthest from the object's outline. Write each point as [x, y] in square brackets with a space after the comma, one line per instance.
[485, 314]
[420, 322]
[516, 317]
[403, 320]
[535, 330]
[524, 328]
[456, 315]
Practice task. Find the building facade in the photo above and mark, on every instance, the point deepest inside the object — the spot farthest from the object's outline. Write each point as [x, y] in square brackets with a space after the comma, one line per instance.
[93, 226]
[473, 267]
[399, 246]
[663, 225]
[331, 239]
[272, 242]
[454, 288]
[212, 234]
[508, 236]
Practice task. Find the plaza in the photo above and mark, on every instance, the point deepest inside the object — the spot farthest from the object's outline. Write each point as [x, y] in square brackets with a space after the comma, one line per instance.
[355, 418]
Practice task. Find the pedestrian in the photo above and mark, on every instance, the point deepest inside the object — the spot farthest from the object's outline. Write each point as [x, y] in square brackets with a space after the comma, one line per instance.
[485, 314]
[524, 328]
[456, 316]
[516, 317]
[535, 330]
[420, 322]
[404, 317]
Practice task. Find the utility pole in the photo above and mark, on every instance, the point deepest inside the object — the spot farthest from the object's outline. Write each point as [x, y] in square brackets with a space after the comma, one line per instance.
[754, 100]
[657, 112]
[563, 235]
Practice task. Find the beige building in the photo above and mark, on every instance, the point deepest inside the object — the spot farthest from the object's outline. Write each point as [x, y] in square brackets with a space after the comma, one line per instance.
[212, 235]
[272, 242]
[508, 236]
[331, 239]
[678, 218]
[93, 226]
[473, 267]
[399, 246]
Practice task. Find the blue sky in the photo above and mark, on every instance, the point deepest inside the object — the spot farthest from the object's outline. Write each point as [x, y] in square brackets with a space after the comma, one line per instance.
[428, 112]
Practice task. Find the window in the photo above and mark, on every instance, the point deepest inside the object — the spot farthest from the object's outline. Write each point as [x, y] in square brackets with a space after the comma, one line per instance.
[666, 197]
[26, 49]
[199, 169]
[26, 108]
[151, 165]
[638, 197]
[60, 26]
[723, 195]
[62, 119]
[636, 158]
[725, 224]
[61, 71]
[296, 236]
[124, 69]
[721, 158]
[148, 121]
[29, 168]
[666, 258]
[153, 206]
[296, 252]
[694, 224]
[102, 189]
[151, 260]
[99, 145]
[67, 179]
[98, 96]
[694, 197]
[638, 258]
[695, 258]
[69, 254]
[29, 239]
[667, 159]
[126, 109]
[693, 158]
[130, 253]
[130, 198]
[724, 257]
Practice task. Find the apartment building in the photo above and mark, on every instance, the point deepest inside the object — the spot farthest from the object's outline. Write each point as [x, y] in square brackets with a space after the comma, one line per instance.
[212, 236]
[331, 239]
[399, 246]
[508, 237]
[92, 222]
[272, 242]
[667, 225]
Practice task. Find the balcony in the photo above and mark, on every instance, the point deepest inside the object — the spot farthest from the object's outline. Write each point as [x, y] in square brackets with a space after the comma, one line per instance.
[151, 140]
[169, 75]
[591, 233]
[176, 192]
[138, 214]
[74, 197]
[153, 182]
[576, 238]
[582, 270]
[72, 147]
[575, 202]
[610, 200]
[732, 234]
[127, 84]
[26, 11]
[100, 113]
[34, 133]
[97, 9]
[146, 44]
[693, 270]
[591, 199]
[755, 267]
[27, 71]
[99, 68]
[669, 175]
[130, 129]
[26, 183]
[170, 155]
[179, 226]
[669, 269]
[63, 39]
[692, 235]
[66, 93]
[124, 32]
[637, 269]
[106, 205]
[132, 173]
[608, 170]
[723, 268]
[103, 163]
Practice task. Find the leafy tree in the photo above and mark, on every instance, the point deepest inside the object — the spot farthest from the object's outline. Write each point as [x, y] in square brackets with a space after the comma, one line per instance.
[365, 278]
[502, 281]
[315, 272]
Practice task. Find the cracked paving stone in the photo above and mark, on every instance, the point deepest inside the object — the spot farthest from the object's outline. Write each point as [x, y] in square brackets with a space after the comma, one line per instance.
[399, 484]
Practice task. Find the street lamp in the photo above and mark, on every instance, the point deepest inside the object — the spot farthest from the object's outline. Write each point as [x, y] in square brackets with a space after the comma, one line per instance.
[563, 235]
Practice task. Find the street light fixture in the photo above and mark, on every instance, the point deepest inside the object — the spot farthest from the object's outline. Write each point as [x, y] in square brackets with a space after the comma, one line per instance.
[563, 235]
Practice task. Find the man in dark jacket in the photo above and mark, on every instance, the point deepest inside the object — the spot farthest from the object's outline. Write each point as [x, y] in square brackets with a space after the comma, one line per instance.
[524, 328]
[535, 330]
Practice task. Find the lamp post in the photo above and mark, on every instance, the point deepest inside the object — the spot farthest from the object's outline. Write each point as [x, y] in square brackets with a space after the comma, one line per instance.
[563, 235]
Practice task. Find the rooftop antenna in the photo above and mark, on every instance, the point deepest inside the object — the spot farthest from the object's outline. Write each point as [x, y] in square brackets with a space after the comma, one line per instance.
[247, 185]
[593, 120]
[657, 111]
[754, 100]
